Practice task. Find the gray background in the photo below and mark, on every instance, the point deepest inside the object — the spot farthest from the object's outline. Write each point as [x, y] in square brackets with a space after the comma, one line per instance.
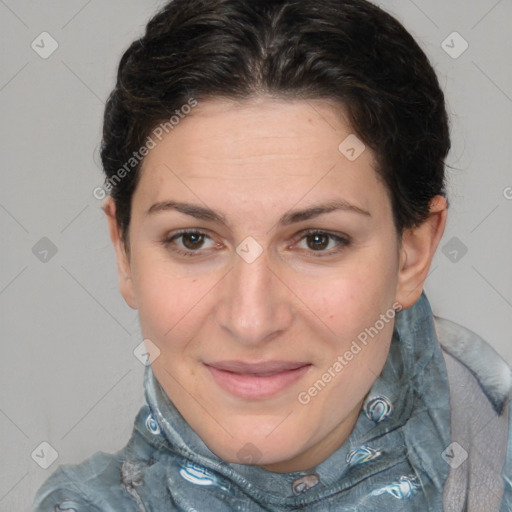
[68, 373]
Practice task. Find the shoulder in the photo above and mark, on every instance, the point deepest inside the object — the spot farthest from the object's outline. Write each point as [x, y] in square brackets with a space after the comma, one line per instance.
[75, 486]
[131, 479]
[473, 356]
[81, 487]
[480, 453]
[104, 482]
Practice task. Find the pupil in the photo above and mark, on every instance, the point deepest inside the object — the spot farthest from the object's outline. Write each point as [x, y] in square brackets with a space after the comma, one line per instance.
[317, 238]
[194, 236]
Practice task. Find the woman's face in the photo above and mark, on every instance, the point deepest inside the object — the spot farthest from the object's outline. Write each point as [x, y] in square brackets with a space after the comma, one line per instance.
[252, 311]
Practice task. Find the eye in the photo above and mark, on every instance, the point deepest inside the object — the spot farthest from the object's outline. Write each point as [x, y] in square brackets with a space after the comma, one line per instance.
[318, 241]
[191, 242]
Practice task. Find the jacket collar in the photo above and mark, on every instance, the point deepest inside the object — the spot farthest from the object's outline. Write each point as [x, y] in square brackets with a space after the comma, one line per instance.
[406, 416]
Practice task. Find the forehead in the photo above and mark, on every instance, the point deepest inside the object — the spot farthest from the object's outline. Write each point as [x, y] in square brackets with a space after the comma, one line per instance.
[257, 127]
[259, 149]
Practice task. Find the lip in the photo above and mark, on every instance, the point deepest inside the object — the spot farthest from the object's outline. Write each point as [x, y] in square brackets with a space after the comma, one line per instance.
[256, 380]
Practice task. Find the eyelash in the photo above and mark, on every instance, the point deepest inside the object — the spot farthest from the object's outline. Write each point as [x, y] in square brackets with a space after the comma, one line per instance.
[342, 242]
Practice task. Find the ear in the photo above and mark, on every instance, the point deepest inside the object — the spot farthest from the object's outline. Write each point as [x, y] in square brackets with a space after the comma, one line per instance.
[417, 251]
[123, 260]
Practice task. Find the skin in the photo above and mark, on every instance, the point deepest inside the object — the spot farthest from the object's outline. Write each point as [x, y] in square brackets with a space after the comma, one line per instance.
[253, 162]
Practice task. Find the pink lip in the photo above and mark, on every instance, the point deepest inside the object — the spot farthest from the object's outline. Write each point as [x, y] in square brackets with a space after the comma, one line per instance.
[256, 380]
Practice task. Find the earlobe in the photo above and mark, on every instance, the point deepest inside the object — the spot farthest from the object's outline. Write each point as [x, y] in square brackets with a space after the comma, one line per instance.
[418, 248]
[123, 261]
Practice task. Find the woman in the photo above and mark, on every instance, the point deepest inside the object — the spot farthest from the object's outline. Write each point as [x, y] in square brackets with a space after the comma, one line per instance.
[276, 180]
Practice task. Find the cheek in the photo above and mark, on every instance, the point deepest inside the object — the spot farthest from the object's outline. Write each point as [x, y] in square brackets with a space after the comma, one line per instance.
[345, 314]
[172, 309]
[165, 301]
[351, 299]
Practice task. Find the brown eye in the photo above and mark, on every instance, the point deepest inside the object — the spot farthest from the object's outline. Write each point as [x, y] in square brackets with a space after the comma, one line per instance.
[323, 243]
[319, 241]
[192, 241]
[188, 243]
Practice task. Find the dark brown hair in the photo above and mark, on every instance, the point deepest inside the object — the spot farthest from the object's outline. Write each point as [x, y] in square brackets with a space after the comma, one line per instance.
[350, 51]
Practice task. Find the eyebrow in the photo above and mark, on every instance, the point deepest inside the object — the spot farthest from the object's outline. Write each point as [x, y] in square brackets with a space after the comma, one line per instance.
[207, 214]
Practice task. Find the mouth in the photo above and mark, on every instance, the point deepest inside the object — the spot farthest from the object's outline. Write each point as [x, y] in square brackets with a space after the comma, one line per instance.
[256, 380]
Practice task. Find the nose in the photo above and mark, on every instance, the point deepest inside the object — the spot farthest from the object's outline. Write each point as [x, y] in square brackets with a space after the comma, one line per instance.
[256, 304]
